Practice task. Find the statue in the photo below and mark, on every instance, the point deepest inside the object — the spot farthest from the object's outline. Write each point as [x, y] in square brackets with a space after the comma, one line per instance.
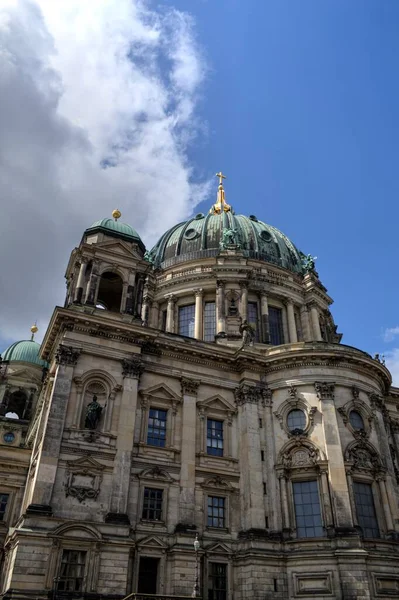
[149, 257]
[248, 333]
[308, 263]
[93, 413]
[233, 310]
[229, 238]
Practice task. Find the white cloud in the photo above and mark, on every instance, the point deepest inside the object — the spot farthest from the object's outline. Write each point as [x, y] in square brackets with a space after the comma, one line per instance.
[392, 363]
[97, 109]
[390, 334]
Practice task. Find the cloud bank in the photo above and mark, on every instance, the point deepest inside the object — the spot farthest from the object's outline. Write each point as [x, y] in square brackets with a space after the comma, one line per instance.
[98, 109]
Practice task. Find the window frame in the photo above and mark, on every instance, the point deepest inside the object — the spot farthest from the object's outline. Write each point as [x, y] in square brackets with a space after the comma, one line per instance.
[85, 568]
[255, 304]
[280, 325]
[215, 495]
[374, 493]
[204, 324]
[298, 481]
[211, 418]
[210, 576]
[7, 509]
[166, 428]
[181, 307]
[161, 510]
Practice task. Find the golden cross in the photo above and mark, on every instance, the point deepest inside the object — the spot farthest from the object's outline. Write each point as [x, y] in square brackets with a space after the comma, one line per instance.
[221, 177]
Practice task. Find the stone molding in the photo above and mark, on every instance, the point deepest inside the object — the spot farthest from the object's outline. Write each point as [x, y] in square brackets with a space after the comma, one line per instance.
[84, 478]
[324, 390]
[132, 367]
[252, 394]
[189, 386]
[67, 355]
[294, 402]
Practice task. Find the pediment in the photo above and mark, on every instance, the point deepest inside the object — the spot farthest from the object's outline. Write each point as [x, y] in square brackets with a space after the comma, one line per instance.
[155, 473]
[25, 374]
[216, 402]
[153, 542]
[218, 548]
[116, 247]
[85, 463]
[77, 531]
[161, 391]
[218, 482]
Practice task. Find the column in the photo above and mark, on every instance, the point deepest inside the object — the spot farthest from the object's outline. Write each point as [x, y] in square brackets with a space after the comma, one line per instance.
[291, 323]
[385, 505]
[78, 401]
[66, 358]
[198, 330]
[91, 288]
[79, 285]
[144, 404]
[247, 398]
[285, 324]
[336, 466]
[220, 308]
[314, 316]
[329, 521]
[305, 324]
[145, 310]
[109, 409]
[284, 501]
[270, 459]
[244, 301]
[131, 371]
[352, 497]
[264, 312]
[154, 315]
[170, 314]
[187, 505]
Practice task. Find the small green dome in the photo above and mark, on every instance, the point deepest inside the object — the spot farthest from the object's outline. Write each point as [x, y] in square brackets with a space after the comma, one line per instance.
[24, 351]
[115, 228]
[200, 238]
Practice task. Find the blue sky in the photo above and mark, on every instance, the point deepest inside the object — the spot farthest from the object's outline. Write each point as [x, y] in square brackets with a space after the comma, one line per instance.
[296, 101]
[302, 104]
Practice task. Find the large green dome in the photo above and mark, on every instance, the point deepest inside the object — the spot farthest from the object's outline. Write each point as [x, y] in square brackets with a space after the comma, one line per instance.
[115, 228]
[24, 351]
[200, 237]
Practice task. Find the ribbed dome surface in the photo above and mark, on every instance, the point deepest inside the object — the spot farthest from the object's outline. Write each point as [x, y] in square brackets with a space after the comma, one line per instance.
[24, 351]
[115, 229]
[200, 237]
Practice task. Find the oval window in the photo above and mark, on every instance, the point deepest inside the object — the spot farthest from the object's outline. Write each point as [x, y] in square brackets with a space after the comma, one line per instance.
[191, 234]
[265, 236]
[356, 420]
[296, 420]
[9, 437]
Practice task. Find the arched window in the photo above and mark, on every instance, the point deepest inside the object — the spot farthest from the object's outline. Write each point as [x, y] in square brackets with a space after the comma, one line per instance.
[18, 406]
[110, 292]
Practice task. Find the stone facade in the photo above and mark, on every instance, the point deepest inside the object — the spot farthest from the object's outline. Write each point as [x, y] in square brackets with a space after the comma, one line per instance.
[216, 438]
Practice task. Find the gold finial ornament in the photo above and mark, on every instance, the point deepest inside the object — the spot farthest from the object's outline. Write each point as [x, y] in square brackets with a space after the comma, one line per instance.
[221, 204]
[34, 329]
[116, 214]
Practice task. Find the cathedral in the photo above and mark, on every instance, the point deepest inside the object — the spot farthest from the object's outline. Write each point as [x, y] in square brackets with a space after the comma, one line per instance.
[192, 426]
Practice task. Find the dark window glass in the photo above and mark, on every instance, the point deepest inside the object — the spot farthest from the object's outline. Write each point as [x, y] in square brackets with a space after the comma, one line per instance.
[3, 505]
[187, 320]
[307, 509]
[152, 504]
[156, 434]
[276, 326]
[209, 321]
[214, 438]
[148, 575]
[216, 511]
[356, 420]
[365, 509]
[253, 318]
[296, 419]
[217, 583]
[163, 320]
[71, 571]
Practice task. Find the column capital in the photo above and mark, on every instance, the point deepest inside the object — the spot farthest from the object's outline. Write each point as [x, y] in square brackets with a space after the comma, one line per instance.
[220, 283]
[199, 292]
[252, 394]
[67, 355]
[189, 386]
[288, 301]
[324, 390]
[243, 284]
[171, 298]
[132, 367]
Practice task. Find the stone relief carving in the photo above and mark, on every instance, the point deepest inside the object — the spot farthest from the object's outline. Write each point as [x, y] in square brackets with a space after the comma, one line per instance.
[132, 367]
[300, 455]
[67, 355]
[252, 394]
[84, 478]
[324, 390]
[189, 386]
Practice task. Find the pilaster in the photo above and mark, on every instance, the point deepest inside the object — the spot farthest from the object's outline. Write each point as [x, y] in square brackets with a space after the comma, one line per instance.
[189, 388]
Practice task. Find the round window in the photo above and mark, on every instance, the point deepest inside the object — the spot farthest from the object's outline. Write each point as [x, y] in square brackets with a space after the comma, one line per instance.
[356, 420]
[191, 234]
[265, 236]
[9, 437]
[296, 420]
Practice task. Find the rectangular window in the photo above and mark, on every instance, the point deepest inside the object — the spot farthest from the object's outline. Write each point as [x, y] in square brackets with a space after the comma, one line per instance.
[209, 321]
[253, 318]
[216, 512]
[156, 434]
[217, 582]
[3, 505]
[307, 509]
[276, 326]
[214, 438]
[71, 571]
[152, 504]
[187, 320]
[365, 509]
[163, 320]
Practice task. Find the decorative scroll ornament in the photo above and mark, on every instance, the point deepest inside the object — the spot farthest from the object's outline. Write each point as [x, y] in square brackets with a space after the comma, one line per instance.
[251, 394]
[324, 390]
[300, 456]
[67, 355]
[84, 478]
[189, 386]
[132, 367]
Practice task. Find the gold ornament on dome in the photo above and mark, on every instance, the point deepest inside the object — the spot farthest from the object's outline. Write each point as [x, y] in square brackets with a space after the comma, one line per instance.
[116, 214]
[221, 205]
[34, 329]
